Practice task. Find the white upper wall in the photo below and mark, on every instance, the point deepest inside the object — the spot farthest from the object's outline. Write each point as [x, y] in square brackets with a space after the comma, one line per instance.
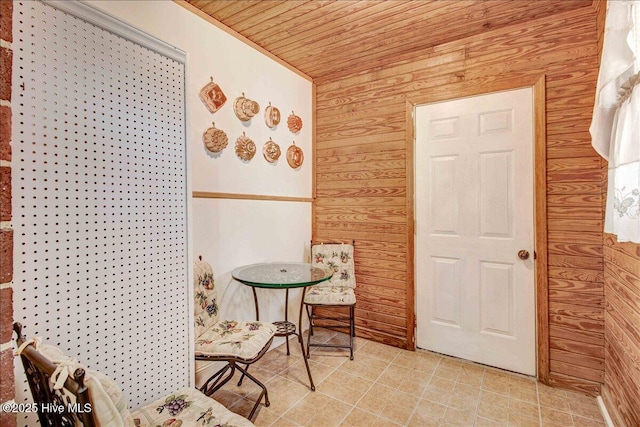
[236, 68]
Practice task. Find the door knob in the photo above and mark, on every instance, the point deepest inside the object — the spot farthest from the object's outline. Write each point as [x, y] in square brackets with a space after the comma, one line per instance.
[522, 254]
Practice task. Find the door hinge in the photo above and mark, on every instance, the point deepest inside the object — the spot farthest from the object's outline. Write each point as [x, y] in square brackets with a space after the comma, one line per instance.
[535, 255]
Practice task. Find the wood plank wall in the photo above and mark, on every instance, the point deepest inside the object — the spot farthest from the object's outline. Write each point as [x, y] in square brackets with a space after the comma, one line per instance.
[621, 390]
[361, 177]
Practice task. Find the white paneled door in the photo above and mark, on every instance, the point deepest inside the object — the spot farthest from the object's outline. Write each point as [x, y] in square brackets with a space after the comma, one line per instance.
[475, 291]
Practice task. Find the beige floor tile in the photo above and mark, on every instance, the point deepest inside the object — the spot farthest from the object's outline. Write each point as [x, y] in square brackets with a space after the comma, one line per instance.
[321, 334]
[376, 399]
[551, 391]
[495, 383]
[493, 411]
[331, 414]
[415, 385]
[399, 407]
[586, 422]
[489, 397]
[523, 408]
[442, 384]
[284, 422]
[484, 422]
[394, 376]
[298, 372]
[283, 394]
[586, 410]
[309, 406]
[437, 395]
[552, 401]
[387, 386]
[381, 422]
[579, 397]
[457, 417]
[464, 397]
[379, 351]
[265, 417]
[427, 413]
[553, 418]
[527, 394]
[244, 406]
[447, 372]
[418, 360]
[359, 418]
[516, 420]
[471, 375]
[332, 359]
[366, 367]
[345, 387]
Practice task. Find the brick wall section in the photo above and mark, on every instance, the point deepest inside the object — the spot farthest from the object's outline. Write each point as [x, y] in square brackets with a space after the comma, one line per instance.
[7, 383]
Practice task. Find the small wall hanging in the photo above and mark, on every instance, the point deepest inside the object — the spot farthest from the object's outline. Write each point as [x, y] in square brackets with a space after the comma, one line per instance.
[245, 147]
[215, 139]
[271, 151]
[245, 108]
[294, 123]
[271, 116]
[212, 96]
[295, 156]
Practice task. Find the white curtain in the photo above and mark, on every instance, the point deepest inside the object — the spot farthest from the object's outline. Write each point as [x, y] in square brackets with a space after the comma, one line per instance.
[615, 128]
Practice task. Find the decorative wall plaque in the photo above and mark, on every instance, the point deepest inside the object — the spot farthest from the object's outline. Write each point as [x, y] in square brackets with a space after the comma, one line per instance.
[215, 139]
[295, 156]
[245, 147]
[212, 96]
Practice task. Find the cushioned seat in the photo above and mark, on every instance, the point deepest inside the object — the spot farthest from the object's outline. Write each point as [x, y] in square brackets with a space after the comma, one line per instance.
[337, 293]
[244, 340]
[230, 341]
[189, 406]
[330, 295]
[55, 377]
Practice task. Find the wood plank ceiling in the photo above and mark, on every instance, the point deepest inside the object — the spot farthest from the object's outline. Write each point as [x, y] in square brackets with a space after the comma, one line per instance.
[326, 39]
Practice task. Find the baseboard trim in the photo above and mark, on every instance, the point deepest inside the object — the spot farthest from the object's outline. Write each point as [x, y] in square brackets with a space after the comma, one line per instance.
[605, 414]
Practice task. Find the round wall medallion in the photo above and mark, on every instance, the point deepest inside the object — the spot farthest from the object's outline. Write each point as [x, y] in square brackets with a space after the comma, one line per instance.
[271, 116]
[245, 148]
[294, 123]
[215, 139]
[245, 108]
[295, 156]
[271, 151]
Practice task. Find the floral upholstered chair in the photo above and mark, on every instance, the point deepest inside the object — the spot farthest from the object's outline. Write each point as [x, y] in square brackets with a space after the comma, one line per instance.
[231, 341]
[337, 292]
[58, 380]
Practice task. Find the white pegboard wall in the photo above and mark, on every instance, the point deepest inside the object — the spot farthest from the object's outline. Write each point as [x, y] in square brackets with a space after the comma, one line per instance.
[99, 201]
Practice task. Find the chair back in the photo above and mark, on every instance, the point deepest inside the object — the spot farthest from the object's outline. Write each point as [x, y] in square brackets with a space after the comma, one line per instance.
[337, 257]
[39, 370]
[206, 297]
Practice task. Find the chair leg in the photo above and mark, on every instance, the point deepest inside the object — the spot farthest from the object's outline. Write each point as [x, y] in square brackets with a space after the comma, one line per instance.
[352, 330]
[217, 380]
[246, 367]
[262, 386]
[310, 331]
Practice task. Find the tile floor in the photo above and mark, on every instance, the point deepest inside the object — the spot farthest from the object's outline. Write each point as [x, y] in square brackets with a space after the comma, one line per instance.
[387, 386]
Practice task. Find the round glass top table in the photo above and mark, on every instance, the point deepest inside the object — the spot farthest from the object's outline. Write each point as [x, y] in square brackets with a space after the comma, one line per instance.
[283, 275]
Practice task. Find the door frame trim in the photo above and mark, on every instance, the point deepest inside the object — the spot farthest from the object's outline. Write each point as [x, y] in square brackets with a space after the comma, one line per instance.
[468, 89]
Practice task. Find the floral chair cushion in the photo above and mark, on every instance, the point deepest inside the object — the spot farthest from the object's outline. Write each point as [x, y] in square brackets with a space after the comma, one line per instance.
[339, 258]
[233, 338]
[109, 406]
[330, 295]
[187, 407]
[206, 297]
